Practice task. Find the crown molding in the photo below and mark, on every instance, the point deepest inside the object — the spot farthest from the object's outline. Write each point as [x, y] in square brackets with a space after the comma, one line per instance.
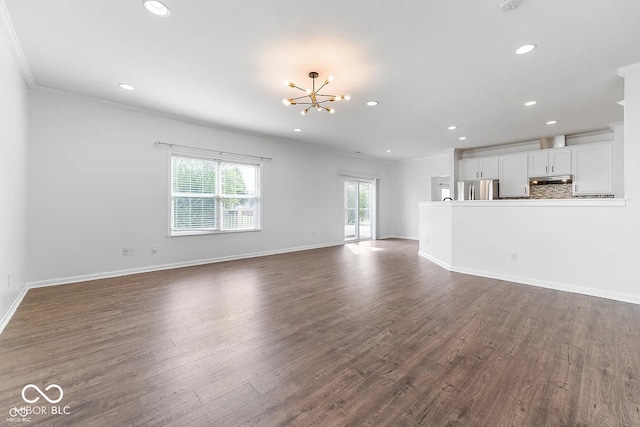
[6, 27]
[628, 70]
[200, 122]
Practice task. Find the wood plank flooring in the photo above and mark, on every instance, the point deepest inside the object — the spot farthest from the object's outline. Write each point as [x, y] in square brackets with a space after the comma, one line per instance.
[360, 335]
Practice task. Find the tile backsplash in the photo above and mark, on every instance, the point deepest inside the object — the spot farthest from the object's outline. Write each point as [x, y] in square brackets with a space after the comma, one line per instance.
[557, 191]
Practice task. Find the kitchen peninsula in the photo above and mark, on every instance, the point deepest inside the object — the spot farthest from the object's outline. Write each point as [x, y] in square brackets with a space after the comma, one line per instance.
[547, 243]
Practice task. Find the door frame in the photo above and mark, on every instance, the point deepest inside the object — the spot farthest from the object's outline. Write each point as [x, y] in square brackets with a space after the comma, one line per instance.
[373, 207]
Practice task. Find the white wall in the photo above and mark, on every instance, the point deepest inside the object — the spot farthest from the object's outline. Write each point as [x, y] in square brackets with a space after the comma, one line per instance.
[98, 183]
[618, 159]
[412, 185]
[436, 232]
[632, 134]
[13, 177]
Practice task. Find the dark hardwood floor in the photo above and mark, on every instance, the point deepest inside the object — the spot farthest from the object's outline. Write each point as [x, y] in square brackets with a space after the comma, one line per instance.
[367, 334]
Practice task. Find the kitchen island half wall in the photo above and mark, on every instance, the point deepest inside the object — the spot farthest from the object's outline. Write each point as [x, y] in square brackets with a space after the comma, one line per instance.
[576, 245]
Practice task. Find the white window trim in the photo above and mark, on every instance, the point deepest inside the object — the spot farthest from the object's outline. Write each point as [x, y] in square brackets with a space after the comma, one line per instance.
[185, 153]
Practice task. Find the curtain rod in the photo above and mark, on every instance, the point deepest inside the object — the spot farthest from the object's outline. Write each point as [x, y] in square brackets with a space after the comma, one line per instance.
[358, 177]
[214, 151]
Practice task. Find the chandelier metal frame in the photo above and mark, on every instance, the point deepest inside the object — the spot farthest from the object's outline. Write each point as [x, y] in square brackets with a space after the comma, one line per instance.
[316, 99]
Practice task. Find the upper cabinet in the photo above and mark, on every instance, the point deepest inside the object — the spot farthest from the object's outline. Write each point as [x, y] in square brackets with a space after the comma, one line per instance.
[468, 169]
[550, 162]
[481, 168]
[514, 181]
[593, 169]
[591, 166]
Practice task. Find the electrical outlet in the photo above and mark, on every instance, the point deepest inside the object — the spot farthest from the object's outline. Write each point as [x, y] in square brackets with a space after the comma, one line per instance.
[132, 251]
[514, 256]
[9, 280]
[154, 249]
[125, 251]
[427, 240]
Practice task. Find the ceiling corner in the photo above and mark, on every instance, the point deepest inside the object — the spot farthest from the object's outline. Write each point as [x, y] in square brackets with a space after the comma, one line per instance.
[6, 28]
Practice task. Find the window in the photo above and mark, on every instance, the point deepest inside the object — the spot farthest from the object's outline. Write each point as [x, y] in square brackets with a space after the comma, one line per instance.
[444, 192]
[211, 195]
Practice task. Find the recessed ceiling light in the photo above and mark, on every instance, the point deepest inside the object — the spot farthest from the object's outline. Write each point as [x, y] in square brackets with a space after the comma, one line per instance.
[525, 49]
[372, 103]
[388, 151]
[552, 122]
[530, 103]
[462, 138]
[452, 127]
[157, 8]
[126, 86]
[297, 130]
[509, 5]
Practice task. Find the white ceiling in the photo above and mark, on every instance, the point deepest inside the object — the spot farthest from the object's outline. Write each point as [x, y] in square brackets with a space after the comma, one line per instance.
[431, 64]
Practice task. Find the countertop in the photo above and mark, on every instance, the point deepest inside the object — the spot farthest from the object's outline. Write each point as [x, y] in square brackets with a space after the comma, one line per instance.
[596, 202]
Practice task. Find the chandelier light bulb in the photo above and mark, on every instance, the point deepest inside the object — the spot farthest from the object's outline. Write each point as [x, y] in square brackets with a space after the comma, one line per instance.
[309, 91]
[286, 101]
[347, 97]
[303, 112]
[331, 111]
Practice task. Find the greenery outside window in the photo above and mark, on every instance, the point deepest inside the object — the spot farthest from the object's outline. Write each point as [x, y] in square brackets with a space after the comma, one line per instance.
[210, 195]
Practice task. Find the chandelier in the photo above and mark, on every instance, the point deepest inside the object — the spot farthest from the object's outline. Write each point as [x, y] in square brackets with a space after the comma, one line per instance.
[315, 97]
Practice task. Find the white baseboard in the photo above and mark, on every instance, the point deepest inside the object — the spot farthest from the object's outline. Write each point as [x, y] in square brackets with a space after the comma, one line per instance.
[109, 274]
[400, 237]
[4, 321]
[557, 286]
[435, 260]
[600, 293]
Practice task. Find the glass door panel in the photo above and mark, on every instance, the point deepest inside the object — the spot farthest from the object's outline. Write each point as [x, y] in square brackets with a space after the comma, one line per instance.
[350, 210]
[364, 210]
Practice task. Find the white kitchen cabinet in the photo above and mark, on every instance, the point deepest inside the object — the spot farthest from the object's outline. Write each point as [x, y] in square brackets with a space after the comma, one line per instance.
[550, 162]
[514, 180]
[593, 169]
[480, 168]
[490, 168]
[468, 169]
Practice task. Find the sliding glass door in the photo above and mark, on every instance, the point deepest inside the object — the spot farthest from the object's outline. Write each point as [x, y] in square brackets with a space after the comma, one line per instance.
[358, 210]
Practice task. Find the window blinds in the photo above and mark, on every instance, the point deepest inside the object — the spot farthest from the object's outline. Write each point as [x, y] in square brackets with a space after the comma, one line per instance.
[209, 195]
